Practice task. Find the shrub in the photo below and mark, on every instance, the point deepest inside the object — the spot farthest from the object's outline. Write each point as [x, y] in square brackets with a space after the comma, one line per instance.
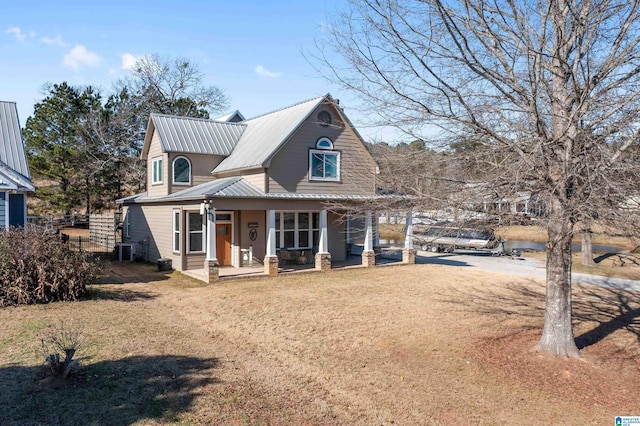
[36, 267]
[61, 339]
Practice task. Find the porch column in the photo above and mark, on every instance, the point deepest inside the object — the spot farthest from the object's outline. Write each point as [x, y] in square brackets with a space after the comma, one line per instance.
[408, 255]
[211, 264]
[323, 257]
[368, 255]
[271, 259]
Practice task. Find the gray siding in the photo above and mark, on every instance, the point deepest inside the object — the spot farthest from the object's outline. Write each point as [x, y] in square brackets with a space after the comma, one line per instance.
[289, 168]
[259, 244]
[155, 151]
[337, 238]
[201, 166]
[150, 229]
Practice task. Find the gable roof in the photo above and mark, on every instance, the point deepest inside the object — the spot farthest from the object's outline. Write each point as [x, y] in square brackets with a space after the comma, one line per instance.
[265, 134]
[193, 135]
[232, 117]
[12, 151]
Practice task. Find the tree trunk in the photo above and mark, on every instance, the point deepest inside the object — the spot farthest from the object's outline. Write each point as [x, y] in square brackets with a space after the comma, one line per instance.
[557, 334]
[587, 245]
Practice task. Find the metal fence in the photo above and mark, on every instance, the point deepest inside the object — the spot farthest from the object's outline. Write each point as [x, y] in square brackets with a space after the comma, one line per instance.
[93, 245]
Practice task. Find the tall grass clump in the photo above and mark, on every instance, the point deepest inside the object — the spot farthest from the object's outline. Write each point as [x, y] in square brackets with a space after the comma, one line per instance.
[37, 267]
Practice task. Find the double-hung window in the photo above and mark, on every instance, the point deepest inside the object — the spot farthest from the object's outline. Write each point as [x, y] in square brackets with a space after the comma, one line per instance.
[195, 236]
[324, 162]
[156, 170]
[176, 231]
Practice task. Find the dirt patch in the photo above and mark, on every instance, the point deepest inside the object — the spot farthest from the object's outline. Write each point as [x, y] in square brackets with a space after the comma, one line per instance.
[424, 344]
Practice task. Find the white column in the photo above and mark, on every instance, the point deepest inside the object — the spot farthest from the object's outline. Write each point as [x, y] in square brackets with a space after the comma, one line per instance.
[408, 238]
[368, 237]
[271, 233]
[211, 234]
[324, 233]
[375, 229]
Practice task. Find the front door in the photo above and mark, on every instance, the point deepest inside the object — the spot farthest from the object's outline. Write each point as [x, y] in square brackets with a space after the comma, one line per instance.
[223, 243]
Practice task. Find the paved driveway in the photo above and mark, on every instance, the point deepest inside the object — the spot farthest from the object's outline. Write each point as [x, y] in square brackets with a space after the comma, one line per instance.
[517, 266]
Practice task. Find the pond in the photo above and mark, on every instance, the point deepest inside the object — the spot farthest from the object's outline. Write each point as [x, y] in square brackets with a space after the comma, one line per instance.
[525, 245]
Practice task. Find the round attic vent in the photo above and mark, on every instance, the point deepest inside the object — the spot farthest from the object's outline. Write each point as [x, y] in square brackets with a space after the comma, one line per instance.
[324, 118]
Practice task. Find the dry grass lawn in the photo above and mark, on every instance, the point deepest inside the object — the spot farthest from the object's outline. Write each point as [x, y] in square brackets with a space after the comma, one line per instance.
[405, 345]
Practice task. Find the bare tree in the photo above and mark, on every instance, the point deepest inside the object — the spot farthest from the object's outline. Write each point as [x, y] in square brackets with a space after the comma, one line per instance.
[550, 88]
[173, 86]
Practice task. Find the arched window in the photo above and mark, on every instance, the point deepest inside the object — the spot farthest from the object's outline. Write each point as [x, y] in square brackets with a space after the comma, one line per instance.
[324, 162]
[181, 171]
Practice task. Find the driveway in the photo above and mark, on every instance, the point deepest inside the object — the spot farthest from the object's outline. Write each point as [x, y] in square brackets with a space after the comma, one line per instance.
[531, 268]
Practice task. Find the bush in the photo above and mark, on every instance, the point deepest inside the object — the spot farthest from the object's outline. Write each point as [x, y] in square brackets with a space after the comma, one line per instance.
[61, 339]
[36, 267]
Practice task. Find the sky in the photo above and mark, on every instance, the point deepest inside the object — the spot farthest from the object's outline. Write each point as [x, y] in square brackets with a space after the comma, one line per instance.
[251, 49]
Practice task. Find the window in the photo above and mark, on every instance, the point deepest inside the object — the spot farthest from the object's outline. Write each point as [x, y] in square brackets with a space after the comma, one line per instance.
[127, 222]
[181, 171]
[298, 230]
[156, 166]
[195, 226]
[176, 231]
[324, 163]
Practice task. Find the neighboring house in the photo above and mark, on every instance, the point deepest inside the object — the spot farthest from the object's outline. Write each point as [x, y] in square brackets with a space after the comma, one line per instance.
[15, 179]
[217, 188]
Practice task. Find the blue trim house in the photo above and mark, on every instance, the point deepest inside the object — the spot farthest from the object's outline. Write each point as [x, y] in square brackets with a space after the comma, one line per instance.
[15, 179]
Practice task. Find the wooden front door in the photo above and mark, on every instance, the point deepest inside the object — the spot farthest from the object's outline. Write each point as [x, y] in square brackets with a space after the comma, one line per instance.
[223, 243]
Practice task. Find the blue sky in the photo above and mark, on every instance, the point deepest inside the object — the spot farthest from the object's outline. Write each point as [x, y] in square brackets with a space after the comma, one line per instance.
[250, 49]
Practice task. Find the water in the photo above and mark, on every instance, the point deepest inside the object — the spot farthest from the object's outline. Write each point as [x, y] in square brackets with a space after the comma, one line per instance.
[525, 245]
[530, 245]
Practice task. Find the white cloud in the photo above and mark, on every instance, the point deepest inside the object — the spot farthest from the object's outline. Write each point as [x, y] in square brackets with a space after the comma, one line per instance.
[262, 71]
[79, 57]
[17, 33]
[128, 61]
[58, 41]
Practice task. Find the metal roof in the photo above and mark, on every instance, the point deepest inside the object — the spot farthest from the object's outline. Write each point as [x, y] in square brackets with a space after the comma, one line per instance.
[196, 135]
[232, 117]
[10, 179]
[265, 134]
[236, 187]
[12, 151]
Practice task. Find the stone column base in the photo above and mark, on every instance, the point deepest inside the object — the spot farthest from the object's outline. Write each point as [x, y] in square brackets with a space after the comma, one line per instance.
[271, 265]
[368, 258]
[323, 262]
[211, 270]
[408, 256]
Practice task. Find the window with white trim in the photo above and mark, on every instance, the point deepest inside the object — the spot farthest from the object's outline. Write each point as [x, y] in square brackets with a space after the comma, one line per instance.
[181, 171]
[324, 162]
[195, 232]
[176, 231]
[297, 230]
[156, 170]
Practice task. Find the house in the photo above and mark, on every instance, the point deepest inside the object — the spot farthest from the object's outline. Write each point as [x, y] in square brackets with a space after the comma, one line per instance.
[15, 179]
[219, 189]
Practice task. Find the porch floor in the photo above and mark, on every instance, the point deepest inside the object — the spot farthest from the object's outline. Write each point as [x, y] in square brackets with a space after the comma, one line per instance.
[230, 272]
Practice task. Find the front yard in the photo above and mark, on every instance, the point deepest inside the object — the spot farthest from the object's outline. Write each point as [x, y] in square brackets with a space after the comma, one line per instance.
[423, 344]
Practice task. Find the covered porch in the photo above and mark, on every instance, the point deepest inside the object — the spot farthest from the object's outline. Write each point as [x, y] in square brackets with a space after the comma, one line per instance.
[388, 256]
[311, 248]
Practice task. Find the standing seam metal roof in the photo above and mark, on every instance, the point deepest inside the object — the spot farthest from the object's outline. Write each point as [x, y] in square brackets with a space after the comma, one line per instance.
[196, 135]
[265, 134]
[12, 150]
